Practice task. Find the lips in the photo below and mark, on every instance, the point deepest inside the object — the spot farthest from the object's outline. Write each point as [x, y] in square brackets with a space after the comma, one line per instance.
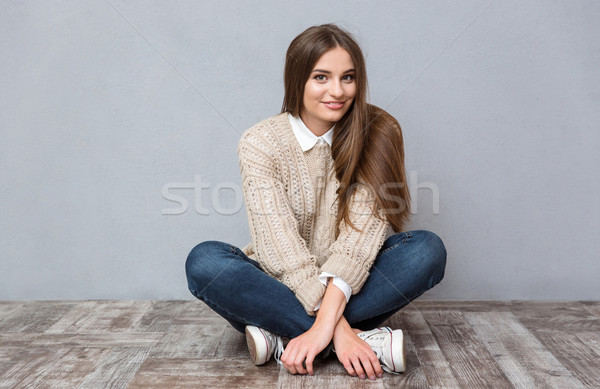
[334, 104]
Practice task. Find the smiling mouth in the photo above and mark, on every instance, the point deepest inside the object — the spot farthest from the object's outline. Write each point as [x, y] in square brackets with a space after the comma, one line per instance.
[334, 104]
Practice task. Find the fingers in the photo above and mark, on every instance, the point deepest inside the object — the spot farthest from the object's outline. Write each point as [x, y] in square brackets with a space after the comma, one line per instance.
[358, 357]
[357, 367]
[293, 360]
[376, 365]
[309, 363]
[299, 364]
[287, 358]
[348, 366]
[368, 368]
[363, 366]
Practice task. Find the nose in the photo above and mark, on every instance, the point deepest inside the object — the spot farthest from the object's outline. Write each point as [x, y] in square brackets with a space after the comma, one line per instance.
[335, 89]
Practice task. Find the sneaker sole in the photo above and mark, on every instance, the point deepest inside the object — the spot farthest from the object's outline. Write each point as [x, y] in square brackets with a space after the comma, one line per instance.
[257, 345]
[398, 343]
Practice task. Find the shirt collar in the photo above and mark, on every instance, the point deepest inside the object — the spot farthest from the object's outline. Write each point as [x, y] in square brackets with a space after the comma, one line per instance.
[306, 137]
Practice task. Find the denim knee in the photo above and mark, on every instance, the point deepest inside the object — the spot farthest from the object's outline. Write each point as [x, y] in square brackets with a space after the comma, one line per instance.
[433, 253]
[202, 264]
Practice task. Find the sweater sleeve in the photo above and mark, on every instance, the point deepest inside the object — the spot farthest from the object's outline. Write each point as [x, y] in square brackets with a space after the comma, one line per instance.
[280, 250]
[353, 252]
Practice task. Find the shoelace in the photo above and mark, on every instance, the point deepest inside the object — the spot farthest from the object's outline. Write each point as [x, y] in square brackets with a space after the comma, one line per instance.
[376, 338]
[278, 349]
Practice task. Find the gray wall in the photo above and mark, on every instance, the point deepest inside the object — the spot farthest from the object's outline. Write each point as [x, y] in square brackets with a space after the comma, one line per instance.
[109, 108]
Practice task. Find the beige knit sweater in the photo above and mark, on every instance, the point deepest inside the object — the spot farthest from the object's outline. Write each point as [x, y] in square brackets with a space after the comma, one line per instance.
[292, 207]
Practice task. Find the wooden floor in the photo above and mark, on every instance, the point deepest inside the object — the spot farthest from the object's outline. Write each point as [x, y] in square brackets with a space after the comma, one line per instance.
[183, 344]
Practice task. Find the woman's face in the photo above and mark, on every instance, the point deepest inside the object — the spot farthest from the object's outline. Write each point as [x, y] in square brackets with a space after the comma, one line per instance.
[329, 91]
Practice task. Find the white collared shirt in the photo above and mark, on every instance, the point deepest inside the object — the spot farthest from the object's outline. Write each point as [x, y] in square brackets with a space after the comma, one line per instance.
[307, 140]
[306, 137]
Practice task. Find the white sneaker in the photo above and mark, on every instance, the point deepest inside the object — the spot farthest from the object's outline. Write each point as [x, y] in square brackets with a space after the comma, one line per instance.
[388, 345]
[262, 344]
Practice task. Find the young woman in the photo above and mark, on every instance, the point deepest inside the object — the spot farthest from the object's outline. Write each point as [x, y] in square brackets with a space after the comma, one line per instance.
[326, 197]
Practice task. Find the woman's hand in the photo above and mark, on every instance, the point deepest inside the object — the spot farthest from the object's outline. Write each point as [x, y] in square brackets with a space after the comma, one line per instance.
[356, 355]
[304, 348]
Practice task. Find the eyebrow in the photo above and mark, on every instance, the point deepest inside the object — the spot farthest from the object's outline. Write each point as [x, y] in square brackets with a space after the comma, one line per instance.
[328, 72]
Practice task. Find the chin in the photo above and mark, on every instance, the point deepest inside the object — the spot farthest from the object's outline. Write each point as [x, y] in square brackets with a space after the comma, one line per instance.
[333, 116]
[338, 117]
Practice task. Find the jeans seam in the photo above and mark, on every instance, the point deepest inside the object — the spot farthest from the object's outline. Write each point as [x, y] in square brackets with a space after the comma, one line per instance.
[234, 250]
[390, 248]
[407, 236]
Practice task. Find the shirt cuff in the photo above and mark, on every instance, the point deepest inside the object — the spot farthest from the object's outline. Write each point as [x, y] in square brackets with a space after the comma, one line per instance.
[337, 281]
[318, 305]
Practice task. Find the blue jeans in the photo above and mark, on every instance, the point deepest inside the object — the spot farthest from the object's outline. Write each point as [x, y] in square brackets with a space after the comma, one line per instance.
[234, 286]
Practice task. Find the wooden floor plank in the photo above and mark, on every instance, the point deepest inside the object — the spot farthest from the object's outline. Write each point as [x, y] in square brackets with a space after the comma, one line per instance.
[231, 345]
[194, 310]
[76, 314]
[184, 344]
[125, 339]
[471, 363]
[8, 358]
[16, 339]
[68, 371]
[525, 361]
[189, 341]
[574, 355]
[461, 305]
[414, 376]
[159, 316]
[560, 316]
[592, 307]
[35, 316]
[106, 316]
[30, 362]
[429, 355]
[591, 340]
[7, 309]
[175, 373]
[117, 369]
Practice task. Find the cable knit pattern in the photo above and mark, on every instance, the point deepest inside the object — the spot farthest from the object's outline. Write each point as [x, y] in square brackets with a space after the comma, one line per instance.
[292, 207]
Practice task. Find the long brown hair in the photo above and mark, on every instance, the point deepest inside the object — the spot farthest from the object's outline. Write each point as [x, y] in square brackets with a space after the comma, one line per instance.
[367, 146]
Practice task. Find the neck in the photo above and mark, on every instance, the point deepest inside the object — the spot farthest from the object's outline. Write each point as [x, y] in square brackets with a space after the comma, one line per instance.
[316, 128]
